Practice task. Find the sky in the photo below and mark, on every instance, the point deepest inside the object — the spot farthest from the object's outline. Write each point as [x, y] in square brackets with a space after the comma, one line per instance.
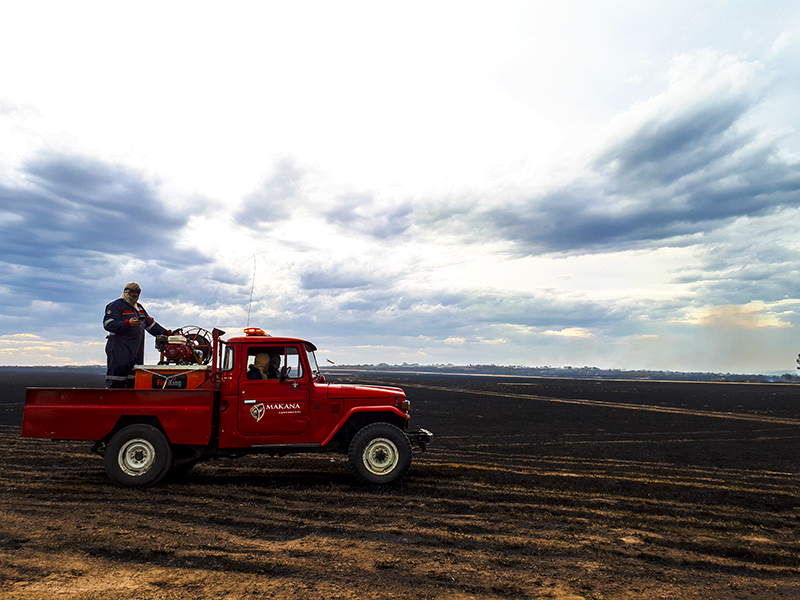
[612, 184]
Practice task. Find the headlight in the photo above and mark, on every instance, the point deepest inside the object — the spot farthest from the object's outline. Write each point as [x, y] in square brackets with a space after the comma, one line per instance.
[404, 404]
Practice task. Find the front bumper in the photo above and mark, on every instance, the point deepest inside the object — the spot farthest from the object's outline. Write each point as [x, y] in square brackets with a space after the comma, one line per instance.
[419, 438]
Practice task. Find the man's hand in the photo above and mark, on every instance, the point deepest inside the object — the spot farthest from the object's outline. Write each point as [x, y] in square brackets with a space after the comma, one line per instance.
[134, 322]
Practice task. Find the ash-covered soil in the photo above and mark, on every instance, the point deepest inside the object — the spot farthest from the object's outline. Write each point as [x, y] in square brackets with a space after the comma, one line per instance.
[534, 488]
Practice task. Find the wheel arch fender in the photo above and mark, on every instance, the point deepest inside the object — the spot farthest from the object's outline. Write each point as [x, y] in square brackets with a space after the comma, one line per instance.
[127, 420]
[358, 417]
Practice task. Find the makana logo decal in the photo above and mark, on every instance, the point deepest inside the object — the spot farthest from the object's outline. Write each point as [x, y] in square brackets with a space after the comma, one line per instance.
[258, 412]
[289, 406]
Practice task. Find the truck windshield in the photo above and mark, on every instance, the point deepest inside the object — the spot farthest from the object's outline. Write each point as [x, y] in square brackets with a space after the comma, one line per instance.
[312, 362]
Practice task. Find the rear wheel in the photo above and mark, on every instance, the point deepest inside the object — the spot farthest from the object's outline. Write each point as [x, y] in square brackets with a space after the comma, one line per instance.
[138, 456]
[380, 453]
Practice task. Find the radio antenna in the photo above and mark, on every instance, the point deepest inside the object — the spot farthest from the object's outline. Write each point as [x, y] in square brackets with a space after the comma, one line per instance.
[252, 286]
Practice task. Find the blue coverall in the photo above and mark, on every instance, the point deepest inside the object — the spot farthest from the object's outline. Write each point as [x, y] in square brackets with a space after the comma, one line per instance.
[125, 345]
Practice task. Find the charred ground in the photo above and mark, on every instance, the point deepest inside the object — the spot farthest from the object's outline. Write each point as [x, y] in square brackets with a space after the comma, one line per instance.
[534, 488]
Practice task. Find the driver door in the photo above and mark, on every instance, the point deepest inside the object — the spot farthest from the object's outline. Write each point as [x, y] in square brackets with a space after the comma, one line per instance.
[272, 406]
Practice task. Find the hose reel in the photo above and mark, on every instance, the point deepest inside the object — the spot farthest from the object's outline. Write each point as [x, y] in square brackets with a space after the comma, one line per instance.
[188, 345]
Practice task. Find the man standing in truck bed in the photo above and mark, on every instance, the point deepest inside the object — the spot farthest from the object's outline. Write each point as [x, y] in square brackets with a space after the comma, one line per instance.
[126, 321]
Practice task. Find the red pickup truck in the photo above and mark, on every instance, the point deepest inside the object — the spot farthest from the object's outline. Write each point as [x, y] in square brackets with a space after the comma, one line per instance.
[180, 414]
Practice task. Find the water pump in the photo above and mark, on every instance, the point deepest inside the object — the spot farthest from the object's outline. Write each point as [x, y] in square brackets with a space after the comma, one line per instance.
[189, 345]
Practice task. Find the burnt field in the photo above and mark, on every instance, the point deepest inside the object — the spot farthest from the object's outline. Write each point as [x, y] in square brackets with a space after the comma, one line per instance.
[533, 488]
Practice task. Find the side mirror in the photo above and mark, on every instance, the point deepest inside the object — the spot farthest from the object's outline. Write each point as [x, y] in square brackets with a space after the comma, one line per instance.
[285, 373]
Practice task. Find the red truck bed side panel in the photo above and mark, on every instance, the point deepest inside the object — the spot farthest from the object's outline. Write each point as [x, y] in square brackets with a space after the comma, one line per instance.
[90, 414]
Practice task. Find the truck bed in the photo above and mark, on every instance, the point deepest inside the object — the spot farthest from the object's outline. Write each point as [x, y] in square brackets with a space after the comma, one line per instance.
[91, 414]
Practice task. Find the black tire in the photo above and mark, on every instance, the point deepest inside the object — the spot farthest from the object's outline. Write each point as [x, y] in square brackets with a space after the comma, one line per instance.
[380, 453]
[138, 456]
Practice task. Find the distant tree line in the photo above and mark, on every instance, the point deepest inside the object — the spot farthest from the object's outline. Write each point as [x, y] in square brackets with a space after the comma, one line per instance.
[570, 372]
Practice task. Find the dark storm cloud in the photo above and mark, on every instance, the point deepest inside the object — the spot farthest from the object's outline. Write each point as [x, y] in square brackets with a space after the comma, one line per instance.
[74, 222]
[680, 174]
[78, 207]
[277, 199]
[668, 148]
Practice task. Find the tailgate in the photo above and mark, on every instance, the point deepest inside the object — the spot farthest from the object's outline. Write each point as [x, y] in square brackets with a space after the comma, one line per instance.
[90, 414]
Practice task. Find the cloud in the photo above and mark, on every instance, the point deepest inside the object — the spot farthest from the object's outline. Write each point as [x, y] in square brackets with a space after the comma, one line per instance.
[749, 316]
[28, 337]
[15, 109]
[294, 193]
[74, 224]
[363, 213]
[681, 164]
[276, 200]
[574, 332]
[750, 259]
[31, 349]
[781, 43]
[81, 207]
[335, 280]
[457, 204]
[388, 309]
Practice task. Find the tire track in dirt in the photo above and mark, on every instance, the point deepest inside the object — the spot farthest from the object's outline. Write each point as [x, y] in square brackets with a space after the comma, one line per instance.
[605, 404]
[510, 507]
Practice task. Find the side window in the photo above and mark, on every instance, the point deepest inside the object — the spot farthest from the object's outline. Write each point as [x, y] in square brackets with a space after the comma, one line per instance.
[263, 362]
[267, 362]
[227, 361]
[292, 360]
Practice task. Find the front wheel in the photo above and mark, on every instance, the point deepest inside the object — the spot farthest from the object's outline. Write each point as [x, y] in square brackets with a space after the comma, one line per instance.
[138, 456]
[380, 453]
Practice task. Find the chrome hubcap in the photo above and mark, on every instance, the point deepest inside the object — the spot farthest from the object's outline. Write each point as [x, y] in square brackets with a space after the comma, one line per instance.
[380, 456]
[136, 457]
